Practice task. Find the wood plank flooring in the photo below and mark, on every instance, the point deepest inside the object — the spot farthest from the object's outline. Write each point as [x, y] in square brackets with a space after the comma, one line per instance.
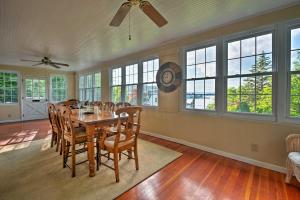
[195, 175]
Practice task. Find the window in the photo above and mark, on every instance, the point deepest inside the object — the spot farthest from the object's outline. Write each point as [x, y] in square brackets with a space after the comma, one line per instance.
[150, 90]
[90, 87]
[58, 88]
[8, 87]
[131, 83]
[201, 78]
[35, 89]
[294, 74]
[249, 75]
[116, 88]
[97, 87]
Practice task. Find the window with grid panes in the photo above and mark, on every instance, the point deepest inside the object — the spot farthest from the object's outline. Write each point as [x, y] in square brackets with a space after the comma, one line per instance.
[149, 88]
[294, 73]
[58, 88]
[249, 75]
[116, 85]
[131, 83]
[201, 78]
[8, 87]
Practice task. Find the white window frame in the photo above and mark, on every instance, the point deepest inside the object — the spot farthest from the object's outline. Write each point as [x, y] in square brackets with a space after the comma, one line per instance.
[142, 83]
[245, 35]
[202, 45]
[140, 80]
[293, 24]
[66, 82]
[18, 87]
[93, 85]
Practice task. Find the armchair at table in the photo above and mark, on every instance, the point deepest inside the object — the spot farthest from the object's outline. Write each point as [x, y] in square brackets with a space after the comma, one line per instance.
[293, 160]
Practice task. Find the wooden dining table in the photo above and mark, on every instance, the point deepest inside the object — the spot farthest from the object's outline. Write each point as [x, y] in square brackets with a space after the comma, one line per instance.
[98, 119]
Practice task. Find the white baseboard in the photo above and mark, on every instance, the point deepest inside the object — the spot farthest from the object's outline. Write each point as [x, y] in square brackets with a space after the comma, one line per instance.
[221, 153]
[10, 121]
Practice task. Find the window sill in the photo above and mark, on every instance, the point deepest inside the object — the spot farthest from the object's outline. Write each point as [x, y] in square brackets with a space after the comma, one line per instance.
[250, 117]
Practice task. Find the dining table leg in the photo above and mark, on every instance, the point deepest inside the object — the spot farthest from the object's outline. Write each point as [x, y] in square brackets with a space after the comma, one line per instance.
[90, 145]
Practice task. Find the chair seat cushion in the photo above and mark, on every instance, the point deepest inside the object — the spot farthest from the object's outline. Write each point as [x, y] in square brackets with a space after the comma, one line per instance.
[110, 141]
[295, 158]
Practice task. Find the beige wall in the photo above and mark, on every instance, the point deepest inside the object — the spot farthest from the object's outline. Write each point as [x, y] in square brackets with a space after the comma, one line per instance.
[233, 135]
[13, 112]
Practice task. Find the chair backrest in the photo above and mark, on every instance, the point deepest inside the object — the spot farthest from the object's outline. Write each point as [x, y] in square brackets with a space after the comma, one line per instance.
[108, 106]
[72, 103]
[98, 103]
[66, 122]
[132, 123]
[122, 105]
[52, 114]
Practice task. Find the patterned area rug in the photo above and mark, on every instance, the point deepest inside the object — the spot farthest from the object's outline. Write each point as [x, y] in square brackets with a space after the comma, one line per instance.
[35, 172]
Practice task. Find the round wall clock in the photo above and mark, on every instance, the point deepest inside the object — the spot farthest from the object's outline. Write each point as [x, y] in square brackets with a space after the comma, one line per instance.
[168, 77]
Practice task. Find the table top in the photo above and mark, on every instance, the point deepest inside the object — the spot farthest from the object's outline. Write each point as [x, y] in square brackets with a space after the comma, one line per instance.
[78, 115]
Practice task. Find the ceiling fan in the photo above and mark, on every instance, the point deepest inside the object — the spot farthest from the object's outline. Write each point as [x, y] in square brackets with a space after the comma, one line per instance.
[46, 61]
[145, 6]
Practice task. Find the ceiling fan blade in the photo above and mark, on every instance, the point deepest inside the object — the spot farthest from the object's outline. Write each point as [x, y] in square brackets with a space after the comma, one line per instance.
[153, 14]
[63, 64]
[30, 60]
[121, 14]
[54, 65]
[38, 64]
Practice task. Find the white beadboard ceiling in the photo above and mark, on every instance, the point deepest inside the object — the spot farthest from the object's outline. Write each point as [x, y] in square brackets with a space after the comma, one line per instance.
[77, 31]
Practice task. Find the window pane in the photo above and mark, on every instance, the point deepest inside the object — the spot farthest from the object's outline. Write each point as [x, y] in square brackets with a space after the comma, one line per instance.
[295, 106]
[248, 85]
[264, 44]
[248, 65]
[233, 103]
[248, 47]
[199, 87]
[211, 69]
[295, 39]
[190, 58]
[295, 60]
[131, 94]
[295, 84]
[190, 87]
[200, 56]
[199, 101]
[150, 95]
[97, 80]
[81, 82]
[264, 85]
[233, 86]
[234, 67]
[264, 63]
[116, 94]
[264, 104]
[234, 50]
[190, 72]
[247, 103]
[211, 54]
[200, 71]
[1, 79]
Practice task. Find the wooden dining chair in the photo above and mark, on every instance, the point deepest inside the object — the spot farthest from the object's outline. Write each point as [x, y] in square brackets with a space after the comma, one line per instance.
[123, 140]
[122, 105]
[71, 137]
[108, 106]
[55, 126]
[99, 104]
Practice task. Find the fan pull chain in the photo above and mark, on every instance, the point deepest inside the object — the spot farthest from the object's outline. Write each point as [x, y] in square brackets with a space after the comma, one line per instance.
[129, 36]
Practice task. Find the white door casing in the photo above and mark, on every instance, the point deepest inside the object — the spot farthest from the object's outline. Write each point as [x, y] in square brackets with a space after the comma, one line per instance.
[34, 98]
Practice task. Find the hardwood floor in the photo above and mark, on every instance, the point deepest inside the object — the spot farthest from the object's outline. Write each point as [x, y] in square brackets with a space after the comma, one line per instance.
[195, 175]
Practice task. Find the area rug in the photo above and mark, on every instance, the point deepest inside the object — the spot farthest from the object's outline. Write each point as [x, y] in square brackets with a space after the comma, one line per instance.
[35, 172]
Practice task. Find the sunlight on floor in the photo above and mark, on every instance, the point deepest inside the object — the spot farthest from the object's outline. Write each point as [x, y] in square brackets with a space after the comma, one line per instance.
[19, 140]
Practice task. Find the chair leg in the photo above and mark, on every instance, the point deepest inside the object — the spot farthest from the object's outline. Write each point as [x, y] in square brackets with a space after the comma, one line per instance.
[73, 160]
[98, 153]
[64, 153]
[136, 159]
[116, 165]
[57, 142]
[67, 150]
[52, 139]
